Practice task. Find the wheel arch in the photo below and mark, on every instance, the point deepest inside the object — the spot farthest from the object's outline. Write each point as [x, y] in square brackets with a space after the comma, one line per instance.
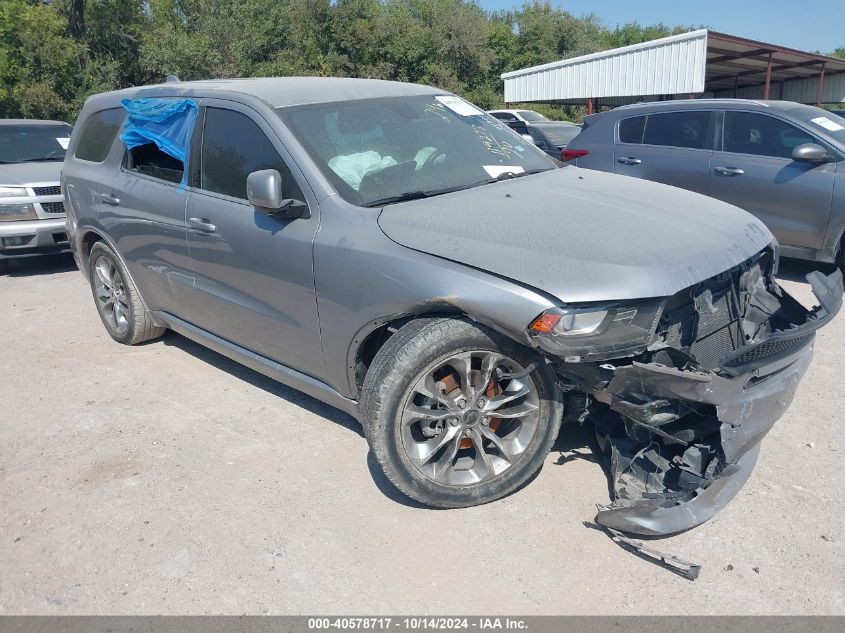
[371, 338]
[89, 236]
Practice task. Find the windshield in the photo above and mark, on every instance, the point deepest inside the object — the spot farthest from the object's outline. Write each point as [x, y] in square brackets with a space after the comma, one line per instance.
[821, 121]
[560, 135]
[530, 115]
[376, 150]
[29, 143]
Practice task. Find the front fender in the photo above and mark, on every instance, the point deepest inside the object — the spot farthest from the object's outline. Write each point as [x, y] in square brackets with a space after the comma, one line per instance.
[364, 280]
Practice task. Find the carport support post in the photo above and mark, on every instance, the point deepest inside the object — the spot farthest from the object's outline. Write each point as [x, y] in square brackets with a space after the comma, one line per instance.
[590, 105]
[768, 77]
[821, 88]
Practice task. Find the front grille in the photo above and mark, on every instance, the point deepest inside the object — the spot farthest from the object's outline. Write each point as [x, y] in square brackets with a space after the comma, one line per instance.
[53, 207]
[48, 191]
[767, 349]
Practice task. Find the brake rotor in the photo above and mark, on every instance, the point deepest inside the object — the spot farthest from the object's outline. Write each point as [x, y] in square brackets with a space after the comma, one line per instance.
[449, 386]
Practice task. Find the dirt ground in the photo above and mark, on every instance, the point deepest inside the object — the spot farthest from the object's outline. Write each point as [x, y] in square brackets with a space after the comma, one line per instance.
[165, 478]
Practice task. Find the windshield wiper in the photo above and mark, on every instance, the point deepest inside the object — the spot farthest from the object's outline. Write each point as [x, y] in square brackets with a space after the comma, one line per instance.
[42, 160]
[402, 197]
[509, 175]
[416, 195]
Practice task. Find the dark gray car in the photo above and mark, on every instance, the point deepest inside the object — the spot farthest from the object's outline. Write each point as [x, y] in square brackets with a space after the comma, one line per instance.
[781, 161]
[551, 137]
[391, 250]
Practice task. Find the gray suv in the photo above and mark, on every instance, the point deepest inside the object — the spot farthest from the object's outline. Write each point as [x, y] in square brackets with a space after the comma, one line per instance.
[781, 161]
[32, 213]
[392, 250]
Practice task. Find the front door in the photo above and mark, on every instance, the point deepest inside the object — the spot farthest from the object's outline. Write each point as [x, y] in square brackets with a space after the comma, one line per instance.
[668, 147]
[756, 172]
[254, 276]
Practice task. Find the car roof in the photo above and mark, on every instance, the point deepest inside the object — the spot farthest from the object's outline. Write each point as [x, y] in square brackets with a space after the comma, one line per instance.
[551, 123]
[711, 103]
[31, 122]
[279, 91]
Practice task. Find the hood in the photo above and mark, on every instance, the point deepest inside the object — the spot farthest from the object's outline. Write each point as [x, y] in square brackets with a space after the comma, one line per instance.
[25, 173]
[582, 235]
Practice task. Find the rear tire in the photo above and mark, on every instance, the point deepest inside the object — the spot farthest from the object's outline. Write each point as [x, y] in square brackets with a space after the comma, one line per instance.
[118, 302]
[471, 440]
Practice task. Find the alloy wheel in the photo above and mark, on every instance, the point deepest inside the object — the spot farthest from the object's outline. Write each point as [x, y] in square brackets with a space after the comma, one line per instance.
[110, 291]
[469, 418]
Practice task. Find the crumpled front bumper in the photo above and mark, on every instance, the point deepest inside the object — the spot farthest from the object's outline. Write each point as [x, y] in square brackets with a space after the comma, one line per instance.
[686, 483]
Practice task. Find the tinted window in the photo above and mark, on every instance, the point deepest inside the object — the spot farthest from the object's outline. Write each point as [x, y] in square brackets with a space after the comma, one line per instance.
[762, 135]
[234, 147]
[530, 115]
[538, 138]
[560, 135]
[98, 134]
[151, 161]
[504, 116]
[27, 143]
[677, 129]
[631, 130]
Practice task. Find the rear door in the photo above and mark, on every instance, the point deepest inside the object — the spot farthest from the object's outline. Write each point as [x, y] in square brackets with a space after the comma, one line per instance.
[141, 205]
[254, 273]
[669, 147]
[755, 172]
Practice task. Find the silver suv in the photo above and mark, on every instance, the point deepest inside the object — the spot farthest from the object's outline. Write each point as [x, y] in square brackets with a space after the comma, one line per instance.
[32, 211]
[784, 162]
[394, 251]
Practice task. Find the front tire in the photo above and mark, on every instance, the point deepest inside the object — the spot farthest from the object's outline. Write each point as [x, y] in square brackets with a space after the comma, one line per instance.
[4, 266]
[458, 415]
[118, 302]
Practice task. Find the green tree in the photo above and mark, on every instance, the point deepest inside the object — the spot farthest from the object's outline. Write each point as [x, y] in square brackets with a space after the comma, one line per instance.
[40, 72]
[634, 33]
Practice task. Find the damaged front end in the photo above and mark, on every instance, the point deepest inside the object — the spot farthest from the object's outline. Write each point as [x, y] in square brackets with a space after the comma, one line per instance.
[682, 390]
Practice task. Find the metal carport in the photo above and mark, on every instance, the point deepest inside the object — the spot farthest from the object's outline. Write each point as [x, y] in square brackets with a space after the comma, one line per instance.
[699, 63]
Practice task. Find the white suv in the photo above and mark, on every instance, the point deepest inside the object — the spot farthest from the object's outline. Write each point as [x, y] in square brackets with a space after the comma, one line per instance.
[525, 116]
[32, 213]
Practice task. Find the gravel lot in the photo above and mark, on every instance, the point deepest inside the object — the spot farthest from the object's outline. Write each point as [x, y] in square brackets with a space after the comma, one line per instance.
[165, 478]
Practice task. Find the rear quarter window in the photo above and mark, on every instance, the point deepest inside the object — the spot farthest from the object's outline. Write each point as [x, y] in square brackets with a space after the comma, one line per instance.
[98, 134]
[631, 130]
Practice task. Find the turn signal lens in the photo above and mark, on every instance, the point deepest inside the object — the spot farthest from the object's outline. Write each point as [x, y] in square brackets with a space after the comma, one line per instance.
[545, 323]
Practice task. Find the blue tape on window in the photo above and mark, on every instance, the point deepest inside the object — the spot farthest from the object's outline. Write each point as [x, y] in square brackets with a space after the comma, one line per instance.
[169, 123]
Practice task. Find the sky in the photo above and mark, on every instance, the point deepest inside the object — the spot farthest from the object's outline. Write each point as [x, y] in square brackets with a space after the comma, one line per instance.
[810, 26]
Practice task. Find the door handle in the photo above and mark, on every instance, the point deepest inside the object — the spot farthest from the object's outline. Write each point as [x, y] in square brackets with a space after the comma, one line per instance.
[110, 200]
[202, 224]
[629, 160]
[729, 171]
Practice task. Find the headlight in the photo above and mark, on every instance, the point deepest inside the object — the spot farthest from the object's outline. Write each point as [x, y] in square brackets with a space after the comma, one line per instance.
[13, 192]
[12, 212]
[568, 322]
[596, 332]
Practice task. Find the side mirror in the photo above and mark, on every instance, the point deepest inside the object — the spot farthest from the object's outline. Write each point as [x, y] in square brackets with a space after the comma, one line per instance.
[811, 153]
[265, 191]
